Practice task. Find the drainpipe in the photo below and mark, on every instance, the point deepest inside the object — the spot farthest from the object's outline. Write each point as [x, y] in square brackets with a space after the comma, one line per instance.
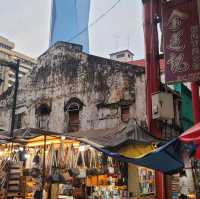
[151, 13]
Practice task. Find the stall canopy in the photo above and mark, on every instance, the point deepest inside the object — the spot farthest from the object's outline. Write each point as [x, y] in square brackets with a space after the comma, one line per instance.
[117, 142]
[29, 132]
[26, 135]
[129, 143]
[114, 139]
[165, 159]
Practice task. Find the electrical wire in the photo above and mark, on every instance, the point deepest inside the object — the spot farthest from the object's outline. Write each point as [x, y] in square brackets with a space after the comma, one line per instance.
[95, 21]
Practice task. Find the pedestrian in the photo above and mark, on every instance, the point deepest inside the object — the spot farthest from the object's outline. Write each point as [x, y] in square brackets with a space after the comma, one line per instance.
[183, 185]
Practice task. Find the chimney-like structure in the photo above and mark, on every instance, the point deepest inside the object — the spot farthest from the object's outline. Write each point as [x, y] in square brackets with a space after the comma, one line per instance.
[122, 56]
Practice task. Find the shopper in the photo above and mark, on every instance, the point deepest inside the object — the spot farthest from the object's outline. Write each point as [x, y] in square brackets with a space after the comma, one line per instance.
[183, 185]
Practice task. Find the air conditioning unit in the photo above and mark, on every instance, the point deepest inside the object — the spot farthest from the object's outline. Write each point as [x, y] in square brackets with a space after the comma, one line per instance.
[162, 106]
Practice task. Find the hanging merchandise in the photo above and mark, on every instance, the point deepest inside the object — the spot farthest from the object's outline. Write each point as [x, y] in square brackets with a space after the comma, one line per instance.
[36, 159]
[82, 166]
[111, 169]
[61, 155]
[55, 172]
[59, 168]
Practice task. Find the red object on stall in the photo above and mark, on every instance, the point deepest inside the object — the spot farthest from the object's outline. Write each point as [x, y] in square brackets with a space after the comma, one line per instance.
[191, 135]
[197, 153]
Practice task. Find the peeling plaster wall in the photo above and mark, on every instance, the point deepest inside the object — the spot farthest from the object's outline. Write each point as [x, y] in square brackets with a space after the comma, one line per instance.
[140, 98]
[64, 72]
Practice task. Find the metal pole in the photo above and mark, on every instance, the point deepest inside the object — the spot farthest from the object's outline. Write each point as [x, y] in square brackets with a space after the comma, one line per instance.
[151, 13]
[152, 72]
[14, 98]
[44, 162]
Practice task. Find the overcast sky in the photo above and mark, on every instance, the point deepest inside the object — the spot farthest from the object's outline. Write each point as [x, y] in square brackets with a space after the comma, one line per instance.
[27, 23]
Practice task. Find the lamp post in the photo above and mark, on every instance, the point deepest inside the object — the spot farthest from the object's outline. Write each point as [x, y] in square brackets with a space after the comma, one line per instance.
[14, 66]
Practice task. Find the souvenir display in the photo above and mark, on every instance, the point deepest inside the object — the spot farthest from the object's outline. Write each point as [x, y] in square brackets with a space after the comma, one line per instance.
[59, 169]
[146, 180]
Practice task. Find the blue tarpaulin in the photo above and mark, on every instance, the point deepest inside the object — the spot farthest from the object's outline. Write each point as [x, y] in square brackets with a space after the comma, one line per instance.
[166, 158]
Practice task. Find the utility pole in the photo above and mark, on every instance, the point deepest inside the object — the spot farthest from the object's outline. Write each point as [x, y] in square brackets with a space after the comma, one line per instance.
[151, 18]
[14, 98]
[14, 66]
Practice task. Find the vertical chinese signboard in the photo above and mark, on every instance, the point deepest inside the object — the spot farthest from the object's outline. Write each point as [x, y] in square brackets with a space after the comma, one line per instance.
[181, 40]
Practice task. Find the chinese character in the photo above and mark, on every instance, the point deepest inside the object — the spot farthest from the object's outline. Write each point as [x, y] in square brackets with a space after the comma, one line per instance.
[176, 41]
[195, 43]
[196, 59]
[176, 19]
[195, 66]
[195, 51]
[177, 63]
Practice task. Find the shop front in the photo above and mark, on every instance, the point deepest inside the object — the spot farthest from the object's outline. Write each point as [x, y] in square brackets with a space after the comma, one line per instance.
[141, 182]
[96, 164]
[53, 166]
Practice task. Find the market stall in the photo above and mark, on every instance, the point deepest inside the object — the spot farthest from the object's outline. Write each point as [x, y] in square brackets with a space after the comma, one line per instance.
[46, 164]
[97, 163]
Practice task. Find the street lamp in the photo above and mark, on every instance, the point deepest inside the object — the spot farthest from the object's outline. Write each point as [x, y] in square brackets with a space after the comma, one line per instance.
[14, 66]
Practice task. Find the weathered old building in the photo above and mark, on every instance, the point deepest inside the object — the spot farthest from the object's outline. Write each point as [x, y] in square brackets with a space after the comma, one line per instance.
[70, 91]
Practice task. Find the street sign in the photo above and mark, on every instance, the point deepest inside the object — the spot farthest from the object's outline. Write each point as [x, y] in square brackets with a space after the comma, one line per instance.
[181, 34]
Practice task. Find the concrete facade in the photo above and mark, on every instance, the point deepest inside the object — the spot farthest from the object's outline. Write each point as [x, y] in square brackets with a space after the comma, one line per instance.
[7, 53]
[65, 74]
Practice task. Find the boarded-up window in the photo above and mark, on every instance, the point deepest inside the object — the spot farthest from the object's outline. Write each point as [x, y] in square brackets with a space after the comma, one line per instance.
[125, 113]
[74, 122]
[43, 112]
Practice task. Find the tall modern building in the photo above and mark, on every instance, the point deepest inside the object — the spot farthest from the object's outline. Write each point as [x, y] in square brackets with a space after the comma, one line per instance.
[69, 22]
[7, 53]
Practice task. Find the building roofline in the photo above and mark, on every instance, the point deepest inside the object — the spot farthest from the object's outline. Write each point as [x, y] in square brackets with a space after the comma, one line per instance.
[121, 52]
[62, 44]
[5, 41]
[16, 54]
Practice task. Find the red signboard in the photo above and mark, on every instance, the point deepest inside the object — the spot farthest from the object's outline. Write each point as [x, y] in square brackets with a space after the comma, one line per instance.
[181, 40]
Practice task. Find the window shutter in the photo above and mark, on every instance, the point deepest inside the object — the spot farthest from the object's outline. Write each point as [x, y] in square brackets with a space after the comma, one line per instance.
[125, 113]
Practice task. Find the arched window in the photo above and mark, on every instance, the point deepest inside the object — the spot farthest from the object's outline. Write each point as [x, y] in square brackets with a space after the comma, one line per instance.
[72, 109]
[42, 116]
[125, 113]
